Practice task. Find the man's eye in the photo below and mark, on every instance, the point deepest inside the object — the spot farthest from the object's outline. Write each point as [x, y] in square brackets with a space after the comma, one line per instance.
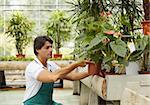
[47, 47]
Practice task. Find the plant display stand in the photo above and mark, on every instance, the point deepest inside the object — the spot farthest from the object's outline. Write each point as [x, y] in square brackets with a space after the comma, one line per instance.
[96, 90]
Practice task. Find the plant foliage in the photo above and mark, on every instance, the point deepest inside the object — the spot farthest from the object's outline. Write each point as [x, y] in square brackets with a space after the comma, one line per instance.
[18, 27]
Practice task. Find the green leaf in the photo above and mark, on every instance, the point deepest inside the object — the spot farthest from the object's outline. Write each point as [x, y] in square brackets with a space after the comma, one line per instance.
[99, 37]
[141, 43]
[119, 47]
[107, 59]
[81, 37]
[136, 55]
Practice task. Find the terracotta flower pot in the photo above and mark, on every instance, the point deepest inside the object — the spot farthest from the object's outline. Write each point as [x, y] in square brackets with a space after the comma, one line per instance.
[92, 69]
[20, 55]
[144, 72]
[57, 55]
[146, 27]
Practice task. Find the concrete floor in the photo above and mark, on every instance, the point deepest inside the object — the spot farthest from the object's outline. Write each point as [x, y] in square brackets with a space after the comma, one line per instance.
[15, 97]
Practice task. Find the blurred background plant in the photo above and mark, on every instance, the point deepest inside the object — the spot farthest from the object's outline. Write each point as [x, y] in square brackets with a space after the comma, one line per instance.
[127, 15]
[1, 22]
[59, 28]
[18, 27]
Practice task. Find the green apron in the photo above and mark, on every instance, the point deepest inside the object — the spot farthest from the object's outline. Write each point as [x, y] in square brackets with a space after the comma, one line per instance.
[43, 97]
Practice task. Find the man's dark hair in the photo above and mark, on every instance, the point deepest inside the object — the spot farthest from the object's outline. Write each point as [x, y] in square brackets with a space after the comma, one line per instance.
[40, 41]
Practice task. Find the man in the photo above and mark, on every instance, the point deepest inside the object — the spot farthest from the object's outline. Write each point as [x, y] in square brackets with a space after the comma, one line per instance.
[41, 74]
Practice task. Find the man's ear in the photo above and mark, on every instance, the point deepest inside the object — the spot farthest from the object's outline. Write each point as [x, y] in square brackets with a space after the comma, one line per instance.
[37, 50]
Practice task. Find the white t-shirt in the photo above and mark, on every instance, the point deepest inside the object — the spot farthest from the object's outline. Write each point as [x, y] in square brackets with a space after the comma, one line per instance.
[31, 73]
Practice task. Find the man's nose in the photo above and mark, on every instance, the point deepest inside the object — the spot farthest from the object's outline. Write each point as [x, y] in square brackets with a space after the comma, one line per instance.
[50, 49]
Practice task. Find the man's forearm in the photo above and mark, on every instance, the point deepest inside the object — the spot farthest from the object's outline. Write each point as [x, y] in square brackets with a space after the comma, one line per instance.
[81, 75]
[76, 75]
[65, 70]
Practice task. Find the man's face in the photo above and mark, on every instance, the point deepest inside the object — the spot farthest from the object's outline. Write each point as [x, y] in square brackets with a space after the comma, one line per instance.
[46, 50]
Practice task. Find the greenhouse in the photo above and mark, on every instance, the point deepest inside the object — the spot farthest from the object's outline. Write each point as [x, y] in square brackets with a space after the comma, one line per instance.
[78, 52]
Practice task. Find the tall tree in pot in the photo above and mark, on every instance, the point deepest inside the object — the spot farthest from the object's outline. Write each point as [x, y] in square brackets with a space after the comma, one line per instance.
[18, 27]
[59, 28]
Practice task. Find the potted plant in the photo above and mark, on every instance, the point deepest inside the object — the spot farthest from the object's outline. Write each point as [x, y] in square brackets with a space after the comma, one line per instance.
[59, 28]
[18, 27]
[114, 52]
[108, 48]
[120, 53]
[135, 50]
[89, 41]
[91, 25]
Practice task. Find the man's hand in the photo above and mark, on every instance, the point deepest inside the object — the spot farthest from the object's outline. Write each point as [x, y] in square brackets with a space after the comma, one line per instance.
[82, 63]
